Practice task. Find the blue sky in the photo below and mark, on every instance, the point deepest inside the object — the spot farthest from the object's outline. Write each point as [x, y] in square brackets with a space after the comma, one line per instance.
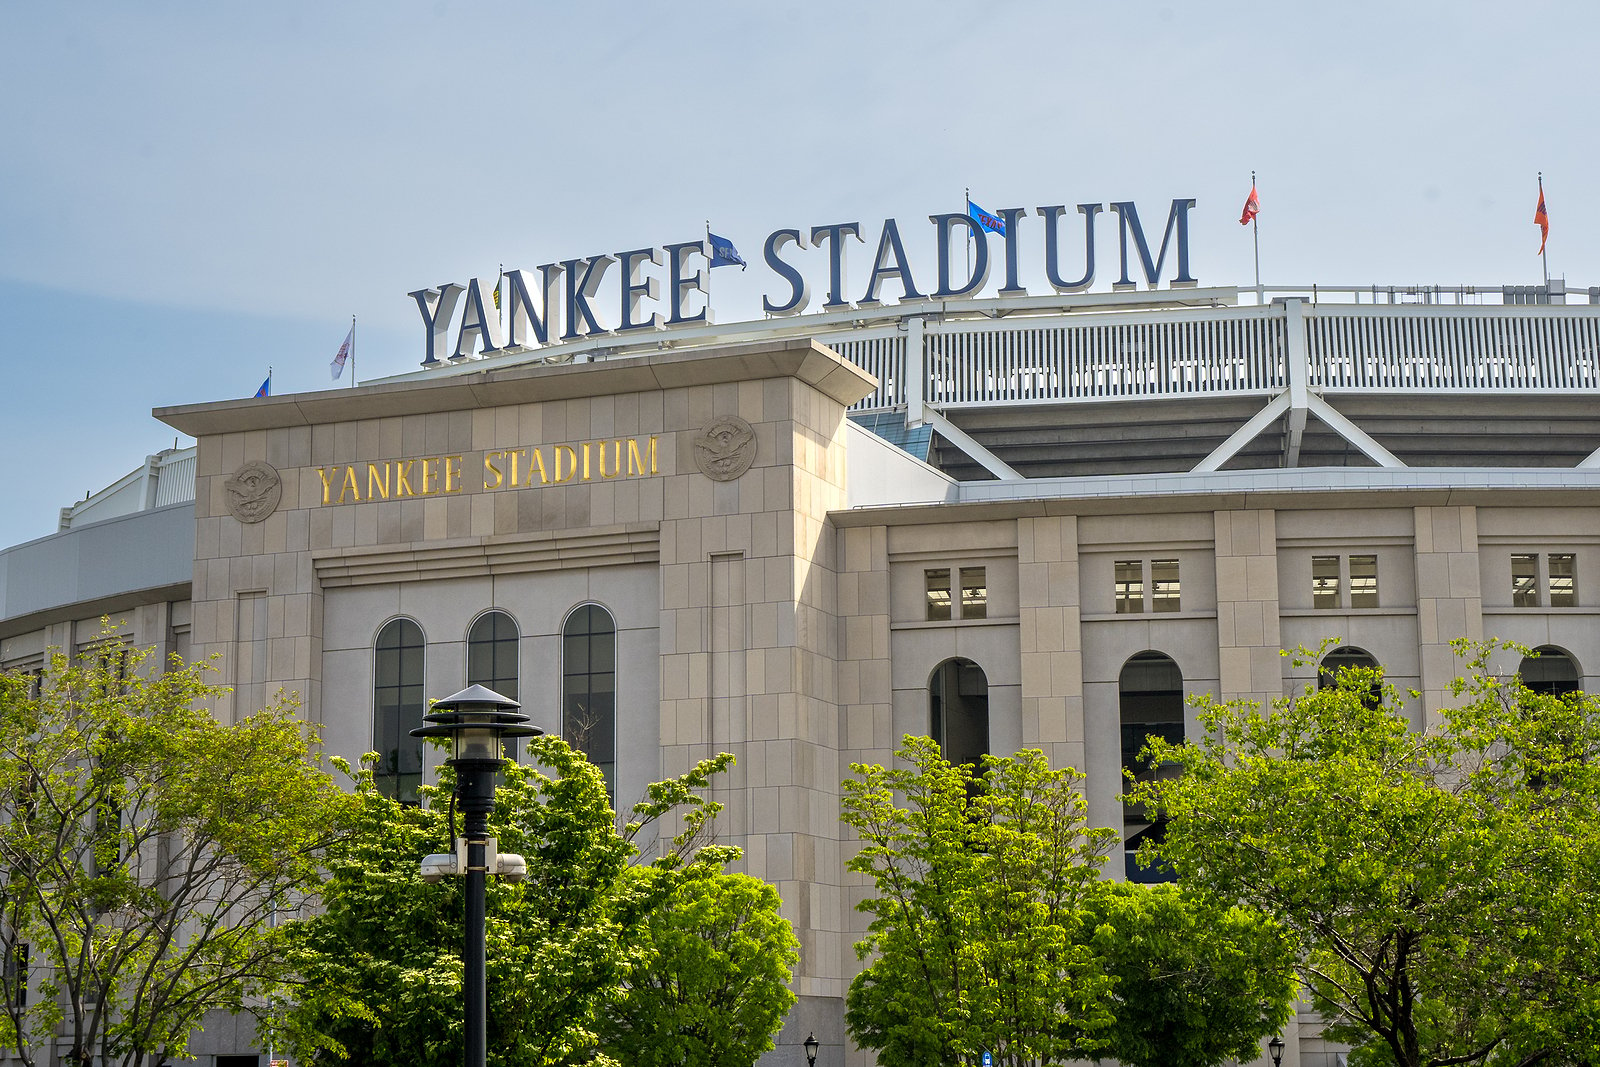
[193, 193]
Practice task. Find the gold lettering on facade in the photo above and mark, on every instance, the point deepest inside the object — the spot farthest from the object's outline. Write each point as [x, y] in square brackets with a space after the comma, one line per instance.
[580, 461]
[572, 461]
[350, 486]
[375, 485]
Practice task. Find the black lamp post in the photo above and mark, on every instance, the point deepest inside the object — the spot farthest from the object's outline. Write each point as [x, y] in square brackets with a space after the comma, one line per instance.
[811, 1043]
[475, 720]
[1275, 1046]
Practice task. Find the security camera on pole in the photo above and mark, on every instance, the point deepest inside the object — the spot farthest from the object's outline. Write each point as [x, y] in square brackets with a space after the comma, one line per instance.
[475, 720]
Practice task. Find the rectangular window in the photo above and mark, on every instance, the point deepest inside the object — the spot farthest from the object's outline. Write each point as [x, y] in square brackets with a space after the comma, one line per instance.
[1130, 586]
[1164, 585]
[1363, 581]
[937, 583]
[974, 593]
[1524, 580]
[1324, 581]
[1563, 590]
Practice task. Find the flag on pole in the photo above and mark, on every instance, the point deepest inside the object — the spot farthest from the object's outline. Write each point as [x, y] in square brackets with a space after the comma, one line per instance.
[1252, 207]
[986, 221]
[337, 366]
[1541, 219]
[266, 386]
[723, 254]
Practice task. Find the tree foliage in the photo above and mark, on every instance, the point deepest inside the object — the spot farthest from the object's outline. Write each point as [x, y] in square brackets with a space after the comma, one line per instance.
[710, 983]
[145, 850]
[380, 969]
[977, 934]
[1197, 982]
[1442, 885]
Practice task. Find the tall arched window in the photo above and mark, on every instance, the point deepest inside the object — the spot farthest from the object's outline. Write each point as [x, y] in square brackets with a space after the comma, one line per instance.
[1349, 657]
[1551, 671]
[492, 659]
[1150, 701]
[397, 709]
[589, 688]
[958, 707]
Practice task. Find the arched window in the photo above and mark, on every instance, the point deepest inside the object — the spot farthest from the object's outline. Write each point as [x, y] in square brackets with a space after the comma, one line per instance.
[397, 709]
[492, 659]
[1150, 700]
[958, 706]
[1349, 657]
[589, 688]
[1551, 671]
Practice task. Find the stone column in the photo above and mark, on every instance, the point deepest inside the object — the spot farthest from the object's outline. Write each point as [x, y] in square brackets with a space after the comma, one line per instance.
[1248, 640]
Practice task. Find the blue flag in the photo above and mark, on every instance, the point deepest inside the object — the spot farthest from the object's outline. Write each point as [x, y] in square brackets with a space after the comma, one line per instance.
[992, 223]
[266, 387]
[723, 254]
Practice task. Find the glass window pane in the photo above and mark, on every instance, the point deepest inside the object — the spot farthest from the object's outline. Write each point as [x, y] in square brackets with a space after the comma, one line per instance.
[937, 584]
[1563, 590]
[1164, 592]
[1130, 586]
[974, 593]
[1324, 581]
[1363, 581]
[1524, 580]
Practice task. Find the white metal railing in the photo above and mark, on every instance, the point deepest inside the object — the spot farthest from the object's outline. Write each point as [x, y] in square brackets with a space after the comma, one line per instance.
[1536, 349]
[1238, 351]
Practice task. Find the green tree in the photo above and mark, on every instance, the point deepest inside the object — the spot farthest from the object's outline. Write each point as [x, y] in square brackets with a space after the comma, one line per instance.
[1198, 982]
[977, 940]
[1441, 884]
[709, 985]
[145, 850]
[380, 967]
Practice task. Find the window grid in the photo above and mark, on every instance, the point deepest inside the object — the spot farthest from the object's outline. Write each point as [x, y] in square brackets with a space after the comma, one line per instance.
[974, 593]
[492, 646]
[1164, 591]
[1524, 580]
[1563, 578]
[398, 706]
[1130, 586]
[588, 689]
[1363, 581]
[937, 584]
[1325, 581]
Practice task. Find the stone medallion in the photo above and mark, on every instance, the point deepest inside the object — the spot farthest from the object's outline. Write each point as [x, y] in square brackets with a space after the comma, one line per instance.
[725, 448]
[254, 491]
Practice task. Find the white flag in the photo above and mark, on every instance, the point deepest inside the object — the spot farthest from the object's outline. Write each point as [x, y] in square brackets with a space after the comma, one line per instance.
[337, 366]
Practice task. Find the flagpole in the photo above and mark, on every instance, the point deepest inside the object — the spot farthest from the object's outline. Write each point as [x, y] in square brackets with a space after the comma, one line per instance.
[966, 209]
[1544, 257]
[352, 351]
[1255, 234]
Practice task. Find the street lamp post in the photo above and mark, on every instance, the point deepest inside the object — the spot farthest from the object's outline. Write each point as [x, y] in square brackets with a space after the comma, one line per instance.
[1275, 1046]
[475, 720]
[811, 1043]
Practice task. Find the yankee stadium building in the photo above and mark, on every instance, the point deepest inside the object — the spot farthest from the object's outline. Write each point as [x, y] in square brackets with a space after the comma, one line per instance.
[1006, 518]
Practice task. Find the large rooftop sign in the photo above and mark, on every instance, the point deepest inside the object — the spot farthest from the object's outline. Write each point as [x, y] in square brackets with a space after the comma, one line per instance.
[665, 286]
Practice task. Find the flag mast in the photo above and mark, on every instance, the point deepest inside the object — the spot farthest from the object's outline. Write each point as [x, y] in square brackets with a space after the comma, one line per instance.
[1544, 257]
[352, 351]
[1255, 235]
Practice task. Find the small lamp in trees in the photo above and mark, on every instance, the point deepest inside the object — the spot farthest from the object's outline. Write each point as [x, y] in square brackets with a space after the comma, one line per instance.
[811, 1043]
[1275, 1046]
[476, 720]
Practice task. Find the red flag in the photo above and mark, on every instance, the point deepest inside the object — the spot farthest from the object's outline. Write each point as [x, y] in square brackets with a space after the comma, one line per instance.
[1252, 207]
[1541, 219]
